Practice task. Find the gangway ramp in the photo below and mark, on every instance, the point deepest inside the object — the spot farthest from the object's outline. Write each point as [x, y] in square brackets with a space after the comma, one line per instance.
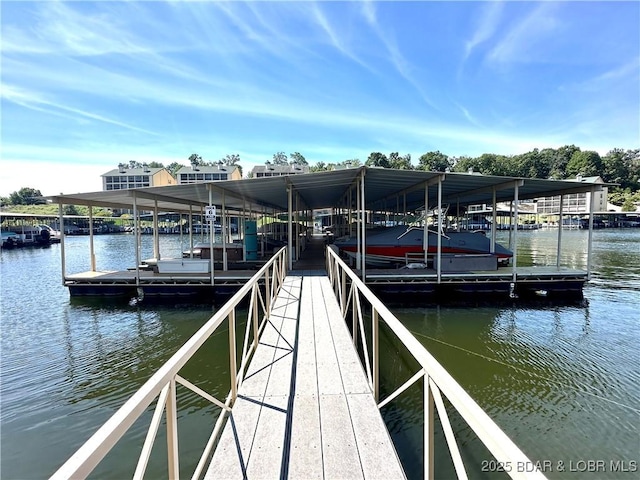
[305, 409]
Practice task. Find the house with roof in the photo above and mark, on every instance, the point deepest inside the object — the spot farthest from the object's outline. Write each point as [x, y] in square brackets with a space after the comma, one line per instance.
[577, 203]
[207, 173]
[123, 178]
[272, 170]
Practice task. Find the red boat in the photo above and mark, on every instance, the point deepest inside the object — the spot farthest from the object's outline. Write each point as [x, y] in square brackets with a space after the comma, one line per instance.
[400, 245]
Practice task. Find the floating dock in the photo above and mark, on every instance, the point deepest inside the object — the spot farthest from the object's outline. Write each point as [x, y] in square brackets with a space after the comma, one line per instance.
[355, 197]
[414, 284]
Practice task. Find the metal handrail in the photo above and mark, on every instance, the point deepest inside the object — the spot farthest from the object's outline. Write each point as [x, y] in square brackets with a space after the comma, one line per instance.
[436, 379]
[162, 385]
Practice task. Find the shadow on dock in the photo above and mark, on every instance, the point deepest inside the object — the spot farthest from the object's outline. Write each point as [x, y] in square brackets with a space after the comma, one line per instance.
[313, 256]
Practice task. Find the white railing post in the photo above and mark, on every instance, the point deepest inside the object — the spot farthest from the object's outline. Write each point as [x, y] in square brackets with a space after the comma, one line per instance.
[354, 318]
[376, 354]
[429, 470]
[343, 287]
[267, 291]
[172, 432]
[256, 305]
[233, 355]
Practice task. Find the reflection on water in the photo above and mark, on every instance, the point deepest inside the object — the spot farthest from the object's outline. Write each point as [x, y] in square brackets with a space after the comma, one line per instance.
[562, 380]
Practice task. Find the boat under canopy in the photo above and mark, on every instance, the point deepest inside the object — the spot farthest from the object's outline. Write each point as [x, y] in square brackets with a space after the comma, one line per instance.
[402, 245]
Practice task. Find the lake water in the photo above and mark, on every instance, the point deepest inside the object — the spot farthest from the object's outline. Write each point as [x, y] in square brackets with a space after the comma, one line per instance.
[563, 381]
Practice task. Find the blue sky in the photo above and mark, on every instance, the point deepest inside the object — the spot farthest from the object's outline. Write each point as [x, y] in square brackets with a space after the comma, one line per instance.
[88, 85]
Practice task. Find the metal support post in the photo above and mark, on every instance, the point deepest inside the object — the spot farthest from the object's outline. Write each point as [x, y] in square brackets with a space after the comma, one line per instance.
[136, 234]
[290, 250]
[363, 227]
[224, 233]
[440, 229]
[425, 234]
[494, 218]
[590, 241]
[191, 229]
[211, 235]
[92, 251]
[358, 231]
[156, 234]
[558, 254]
[63, 264]
[515, 230]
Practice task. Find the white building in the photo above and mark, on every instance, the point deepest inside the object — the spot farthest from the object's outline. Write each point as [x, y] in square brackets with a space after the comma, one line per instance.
[578, 203]
[271, 170]
[123, 178]
[202, 173]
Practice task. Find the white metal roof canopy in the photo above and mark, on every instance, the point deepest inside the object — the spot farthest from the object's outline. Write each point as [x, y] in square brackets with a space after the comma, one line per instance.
[327, 189]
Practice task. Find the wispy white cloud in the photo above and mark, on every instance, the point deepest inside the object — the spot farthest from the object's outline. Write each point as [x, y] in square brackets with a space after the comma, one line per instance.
[486, 27]
[36, 102]
[522, 41]
[403, 66]
[59, 28]
[629, 71]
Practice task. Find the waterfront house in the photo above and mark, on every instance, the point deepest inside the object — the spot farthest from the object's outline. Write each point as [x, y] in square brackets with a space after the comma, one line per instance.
[207, 173]
[271, 170]
[576, 203]
[123, 178]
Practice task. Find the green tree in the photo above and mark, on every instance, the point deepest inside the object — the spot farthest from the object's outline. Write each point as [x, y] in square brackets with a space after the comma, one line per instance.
[231, 160]
[463, 163]
[173, 168]
[622, 167]
[280, 158]
[377, 159]
[195, 160]
[400, 162]
[298, 158]
[533, 164]
[632, 161]
[587, 164]
[628, 205]
[435, 162]
[319, 167]
[561, 160]
[70, 210]
[26, 196]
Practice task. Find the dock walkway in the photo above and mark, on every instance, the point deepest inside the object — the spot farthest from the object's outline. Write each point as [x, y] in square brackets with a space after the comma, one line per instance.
[305, 409]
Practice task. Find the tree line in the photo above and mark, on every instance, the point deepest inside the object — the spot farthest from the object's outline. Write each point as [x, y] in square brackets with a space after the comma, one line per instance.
[617, 166]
